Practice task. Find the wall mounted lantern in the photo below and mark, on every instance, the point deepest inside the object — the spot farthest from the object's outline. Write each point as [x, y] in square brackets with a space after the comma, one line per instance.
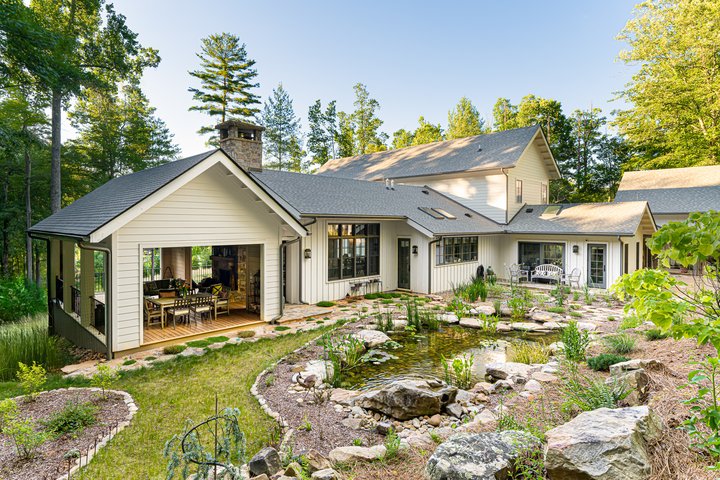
[576, 249]
[307, 253]
[414, 249]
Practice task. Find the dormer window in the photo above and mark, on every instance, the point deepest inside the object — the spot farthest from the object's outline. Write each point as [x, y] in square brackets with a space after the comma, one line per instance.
[518, 191]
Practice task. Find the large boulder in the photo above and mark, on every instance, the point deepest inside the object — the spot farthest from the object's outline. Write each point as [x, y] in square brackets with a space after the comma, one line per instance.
[481, 456]
[510, 370]
[636, 382]
[371, 338]
[266, 461]
[357, 454]
[483, 309]
[603, 444]
[406, 399]
[543, 316]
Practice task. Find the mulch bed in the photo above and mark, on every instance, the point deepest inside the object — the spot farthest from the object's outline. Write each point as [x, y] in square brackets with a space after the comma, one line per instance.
[327, 431]
[49, 462]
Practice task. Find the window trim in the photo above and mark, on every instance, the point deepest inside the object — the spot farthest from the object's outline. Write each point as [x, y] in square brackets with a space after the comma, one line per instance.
[518, 191]
[564, 245]
[351, 238]
[441, 254]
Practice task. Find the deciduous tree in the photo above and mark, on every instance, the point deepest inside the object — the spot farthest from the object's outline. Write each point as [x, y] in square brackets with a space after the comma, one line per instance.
[427, 133]
[464, 120]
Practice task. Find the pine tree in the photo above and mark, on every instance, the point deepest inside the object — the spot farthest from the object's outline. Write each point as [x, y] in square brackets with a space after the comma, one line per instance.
[227, 81]
[323, 130]
[402, 138]
[368, 137]
[504, 115]
[345, 138]
[118, 133]
[282, 139]
[464, 120]
[427, 133]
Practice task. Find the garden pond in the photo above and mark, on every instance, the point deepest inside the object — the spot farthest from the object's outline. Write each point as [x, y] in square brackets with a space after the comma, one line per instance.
[420, 355]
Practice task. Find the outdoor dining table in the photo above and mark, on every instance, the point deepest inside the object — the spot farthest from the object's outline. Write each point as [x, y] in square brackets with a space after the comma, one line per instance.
[168, 302]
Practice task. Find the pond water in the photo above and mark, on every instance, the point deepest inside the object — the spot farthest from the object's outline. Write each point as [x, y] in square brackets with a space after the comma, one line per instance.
[420, 355]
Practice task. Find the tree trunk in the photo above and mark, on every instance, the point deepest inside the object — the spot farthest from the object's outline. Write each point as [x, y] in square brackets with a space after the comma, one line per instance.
[28, 215]
[55, 184]
[5, 261]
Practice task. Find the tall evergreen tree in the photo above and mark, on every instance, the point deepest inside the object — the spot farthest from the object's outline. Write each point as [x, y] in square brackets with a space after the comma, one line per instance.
[345, 138]
[322, 131]
[227, 81]
[282, 138]
[368, 137]
[674, 118]
[464, 120]
[119, 133]
[504, 115]
[427, 133]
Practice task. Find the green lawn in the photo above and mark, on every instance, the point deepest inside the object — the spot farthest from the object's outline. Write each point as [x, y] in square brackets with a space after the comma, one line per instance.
[169, 394]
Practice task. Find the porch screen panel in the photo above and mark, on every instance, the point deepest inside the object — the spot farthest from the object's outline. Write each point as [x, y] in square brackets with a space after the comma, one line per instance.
[353, 250]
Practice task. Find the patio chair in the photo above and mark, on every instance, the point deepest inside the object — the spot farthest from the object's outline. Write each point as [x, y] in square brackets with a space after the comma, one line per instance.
[222, 302]
[202, 306]
[517, 274]
[153, 314]
[180, 310]
[572, 278]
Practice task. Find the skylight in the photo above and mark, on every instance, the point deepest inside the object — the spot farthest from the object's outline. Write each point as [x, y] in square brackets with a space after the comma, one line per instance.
[432, 213]
[551, 211]
[445, 213]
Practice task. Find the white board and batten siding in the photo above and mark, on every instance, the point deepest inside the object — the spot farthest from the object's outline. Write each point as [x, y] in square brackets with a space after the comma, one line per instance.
[484, 193]
[212, 209]
[445, 277]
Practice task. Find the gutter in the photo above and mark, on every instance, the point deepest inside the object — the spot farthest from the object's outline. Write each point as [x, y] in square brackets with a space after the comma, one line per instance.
[108, 292]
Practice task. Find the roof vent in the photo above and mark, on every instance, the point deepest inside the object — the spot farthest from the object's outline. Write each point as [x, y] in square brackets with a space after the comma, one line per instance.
[387, 183]
[468, 215]
[528, 210]
[426, 192]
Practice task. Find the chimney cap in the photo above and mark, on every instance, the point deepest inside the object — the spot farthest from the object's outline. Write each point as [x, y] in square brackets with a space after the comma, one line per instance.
[240, 124]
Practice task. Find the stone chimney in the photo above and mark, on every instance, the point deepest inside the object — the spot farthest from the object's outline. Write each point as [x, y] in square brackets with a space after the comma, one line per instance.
[242, 141]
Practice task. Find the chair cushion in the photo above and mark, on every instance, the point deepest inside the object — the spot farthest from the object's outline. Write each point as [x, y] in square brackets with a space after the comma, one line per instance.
[179, 311]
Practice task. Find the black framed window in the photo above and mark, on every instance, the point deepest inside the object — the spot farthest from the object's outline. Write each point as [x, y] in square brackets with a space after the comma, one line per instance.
[532, 254]
[456, 250]
[353, 250]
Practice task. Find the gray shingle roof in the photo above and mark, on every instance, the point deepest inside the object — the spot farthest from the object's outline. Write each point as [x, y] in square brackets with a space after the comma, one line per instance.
[318, 195]
[612, 218]
[481, 152]
[685, 177]
[87, 214]
[675, 200]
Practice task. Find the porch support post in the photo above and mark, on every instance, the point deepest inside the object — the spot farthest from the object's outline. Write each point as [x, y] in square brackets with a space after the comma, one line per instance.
[87, 286]
[68, 269]
[54, 266]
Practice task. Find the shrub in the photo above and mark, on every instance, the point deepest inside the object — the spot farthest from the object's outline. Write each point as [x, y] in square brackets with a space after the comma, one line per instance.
[529, 352]
[575, 342]
[496, 290]
[459, 371]
[31, 378]
[282, 328]
[392, 444]
[620, 343]
[585, 393]
[603, 361]
[559, 294]
[104, 378]
[458, 307]
[630, 321]
[71, 419]
[8, 411]
[174, 349]
[556, 309]
[325, 304]
[655, 334]
[25, 436]
[703, 426]
[28, 341]
[371, 296]
[246, 333]
[20, 299]
[520, 303]
[129, 361]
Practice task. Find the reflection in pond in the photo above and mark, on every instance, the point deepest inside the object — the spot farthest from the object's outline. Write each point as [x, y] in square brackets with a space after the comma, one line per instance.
[420, 355]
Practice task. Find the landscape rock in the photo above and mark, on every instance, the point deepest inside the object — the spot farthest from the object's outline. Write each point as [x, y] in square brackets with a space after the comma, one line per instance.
[325, 474]
[435, 420]
[483, 310]
[471, 322]
[343, 396]
[482, 456]
[383, 428]
[503, 327]
[319, 368]
[528, 327]
[450, 318]
[454, 409]
[317, 461]
[407, 399]
[510, 370]
[371, 338]
[533, 386]
[603, 444]
[635, 364]
[357, 454]
[542, 316]
[543, 377]
[266, 461]
[586, 326]
[637, 381]
[352, 423]
[293, 470]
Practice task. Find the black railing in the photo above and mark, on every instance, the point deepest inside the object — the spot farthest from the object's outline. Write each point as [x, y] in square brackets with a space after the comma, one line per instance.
[98, 317]
[75, 299]
[59, 290]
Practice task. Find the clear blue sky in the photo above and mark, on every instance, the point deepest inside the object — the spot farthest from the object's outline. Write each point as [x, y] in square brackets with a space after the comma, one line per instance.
[416, 58]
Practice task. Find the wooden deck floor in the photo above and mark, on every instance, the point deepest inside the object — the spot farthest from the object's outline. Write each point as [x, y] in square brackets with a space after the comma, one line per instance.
[235, 319]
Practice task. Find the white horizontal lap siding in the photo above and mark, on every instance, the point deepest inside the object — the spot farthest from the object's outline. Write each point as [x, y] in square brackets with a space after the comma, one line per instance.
[315, 284]
[445, 277]
[212, 209]
[531, 169]
[482, 193]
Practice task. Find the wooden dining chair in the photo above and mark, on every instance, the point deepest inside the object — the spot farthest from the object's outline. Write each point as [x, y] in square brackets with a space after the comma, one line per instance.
[180, 310]
[153, 314]
[202, 306]
[222, 302]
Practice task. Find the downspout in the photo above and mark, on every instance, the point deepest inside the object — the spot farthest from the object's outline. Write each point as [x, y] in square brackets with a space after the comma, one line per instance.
[108, 292]
[430, 257]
